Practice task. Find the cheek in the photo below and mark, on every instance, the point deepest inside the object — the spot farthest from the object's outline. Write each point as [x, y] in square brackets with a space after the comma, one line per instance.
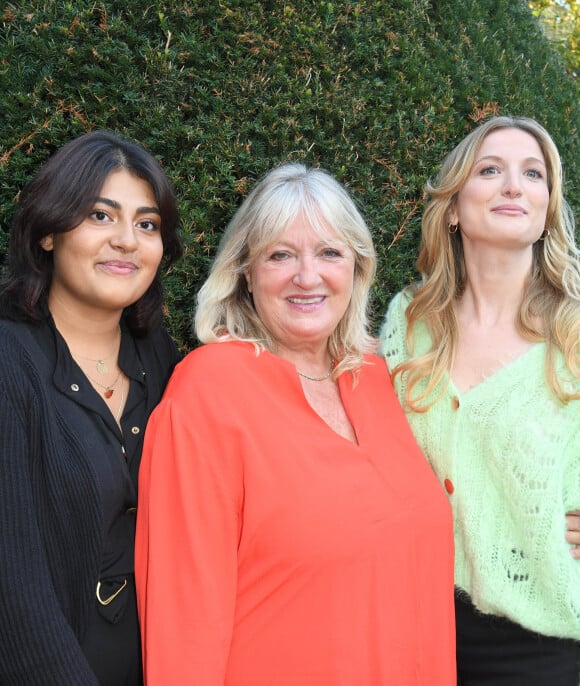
[67, 258]
[154, 253]
[265, 307]
[267, 280]
[544, 200]
[471, 197]
[346, 281]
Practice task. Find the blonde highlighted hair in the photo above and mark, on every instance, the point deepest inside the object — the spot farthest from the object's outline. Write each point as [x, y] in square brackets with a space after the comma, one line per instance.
[225, 308]
[552, 296]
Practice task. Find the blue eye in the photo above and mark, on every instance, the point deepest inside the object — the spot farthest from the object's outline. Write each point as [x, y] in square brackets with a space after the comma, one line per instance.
[278, 256]
[489, 171]
[331, 252]
[534, 174]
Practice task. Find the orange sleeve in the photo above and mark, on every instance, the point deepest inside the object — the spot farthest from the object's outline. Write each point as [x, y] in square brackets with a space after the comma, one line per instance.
[188, 528]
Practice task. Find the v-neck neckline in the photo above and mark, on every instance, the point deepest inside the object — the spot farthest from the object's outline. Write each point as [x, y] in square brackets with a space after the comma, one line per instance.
[341, 382]
[499, 373]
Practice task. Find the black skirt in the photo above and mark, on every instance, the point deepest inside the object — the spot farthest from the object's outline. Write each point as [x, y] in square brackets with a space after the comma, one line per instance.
[493, 651]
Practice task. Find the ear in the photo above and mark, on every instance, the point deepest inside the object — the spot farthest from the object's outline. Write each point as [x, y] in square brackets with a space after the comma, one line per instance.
[47, 242]
[248, 278]
[452, 216]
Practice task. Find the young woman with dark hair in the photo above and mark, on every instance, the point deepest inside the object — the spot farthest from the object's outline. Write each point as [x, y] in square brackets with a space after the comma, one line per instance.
[58, 199]
[84, 361]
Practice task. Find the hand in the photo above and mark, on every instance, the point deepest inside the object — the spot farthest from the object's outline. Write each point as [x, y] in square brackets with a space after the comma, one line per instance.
[573, 532]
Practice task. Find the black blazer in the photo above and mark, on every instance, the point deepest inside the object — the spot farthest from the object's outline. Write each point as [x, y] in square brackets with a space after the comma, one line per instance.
[51, 533]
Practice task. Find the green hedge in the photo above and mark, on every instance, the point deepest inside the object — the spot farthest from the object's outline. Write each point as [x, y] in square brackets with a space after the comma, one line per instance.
[376, 92]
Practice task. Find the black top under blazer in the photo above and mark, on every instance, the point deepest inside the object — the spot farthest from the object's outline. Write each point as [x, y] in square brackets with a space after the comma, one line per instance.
[52, 514]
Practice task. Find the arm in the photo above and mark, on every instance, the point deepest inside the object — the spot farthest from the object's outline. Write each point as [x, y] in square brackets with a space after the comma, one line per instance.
[188, 527]
[573, 532]
[37, 644]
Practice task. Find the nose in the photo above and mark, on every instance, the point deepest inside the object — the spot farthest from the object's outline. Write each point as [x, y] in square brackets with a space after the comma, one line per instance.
[124, 236]
[307, 274]
[511, 184]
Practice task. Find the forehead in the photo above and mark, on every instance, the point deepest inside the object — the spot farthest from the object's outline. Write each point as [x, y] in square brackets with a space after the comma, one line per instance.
[123, 182]
[510, 142]
[304, 229]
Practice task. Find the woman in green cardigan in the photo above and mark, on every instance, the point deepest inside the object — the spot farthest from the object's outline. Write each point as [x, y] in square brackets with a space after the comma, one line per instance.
[485, 357]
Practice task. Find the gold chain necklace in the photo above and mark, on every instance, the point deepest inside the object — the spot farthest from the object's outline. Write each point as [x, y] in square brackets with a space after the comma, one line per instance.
[101, 364]
[108, 390]
[317, 378]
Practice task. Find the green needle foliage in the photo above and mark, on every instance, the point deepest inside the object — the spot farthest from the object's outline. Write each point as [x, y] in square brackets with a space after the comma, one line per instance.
[377, 92]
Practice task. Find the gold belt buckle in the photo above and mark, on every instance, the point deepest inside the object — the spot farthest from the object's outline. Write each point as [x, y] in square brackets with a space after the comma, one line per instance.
[112, 597]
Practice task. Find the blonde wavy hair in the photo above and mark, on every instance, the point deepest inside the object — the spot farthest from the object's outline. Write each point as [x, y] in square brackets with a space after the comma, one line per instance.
[225, 308]
[552, 296]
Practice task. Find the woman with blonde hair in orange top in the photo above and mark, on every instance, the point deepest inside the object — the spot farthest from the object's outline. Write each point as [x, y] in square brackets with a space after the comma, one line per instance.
[281, 534]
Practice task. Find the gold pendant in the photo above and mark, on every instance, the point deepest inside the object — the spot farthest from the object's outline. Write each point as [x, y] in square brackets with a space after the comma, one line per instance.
[102, 367]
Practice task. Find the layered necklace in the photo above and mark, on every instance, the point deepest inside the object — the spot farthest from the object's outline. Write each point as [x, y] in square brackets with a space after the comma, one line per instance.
[107, 390]
[103, 368]
[101, 364]
[110, 389]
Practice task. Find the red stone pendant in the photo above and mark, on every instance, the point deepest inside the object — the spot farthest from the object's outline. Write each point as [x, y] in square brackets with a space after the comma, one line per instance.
[108, 393]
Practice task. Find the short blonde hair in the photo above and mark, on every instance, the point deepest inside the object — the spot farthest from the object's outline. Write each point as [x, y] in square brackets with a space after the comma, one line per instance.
[225, 308]
[553, 292]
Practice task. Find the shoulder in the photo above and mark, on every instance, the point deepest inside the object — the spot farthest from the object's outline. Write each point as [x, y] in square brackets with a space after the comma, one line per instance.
[373, 388]
[216, 365]
[394, 325]
[17, 339]
[399, 304]
[25, 370]
[219, 356]
[374, 366]
[10, 331]
[157, 350]
[374, 372]
[158, 339]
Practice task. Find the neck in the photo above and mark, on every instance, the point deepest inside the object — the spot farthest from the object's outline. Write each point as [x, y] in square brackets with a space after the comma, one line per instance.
[312, 360]
[494, 286]
[87, 336]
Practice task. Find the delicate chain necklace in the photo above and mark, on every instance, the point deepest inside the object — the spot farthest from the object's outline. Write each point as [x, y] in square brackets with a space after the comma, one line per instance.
[101, 364]
[108, 390]
[317, 378]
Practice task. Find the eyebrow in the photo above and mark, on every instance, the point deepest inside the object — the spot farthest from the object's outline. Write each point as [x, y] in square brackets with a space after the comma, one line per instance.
[500, 159]
[322, 241]
[117, 206]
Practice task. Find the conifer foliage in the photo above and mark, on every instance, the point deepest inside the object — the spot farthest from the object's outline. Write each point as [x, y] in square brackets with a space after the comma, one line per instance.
[377, 92]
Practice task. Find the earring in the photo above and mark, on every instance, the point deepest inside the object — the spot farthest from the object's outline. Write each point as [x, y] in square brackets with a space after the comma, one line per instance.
[545, 234]
[452, 228]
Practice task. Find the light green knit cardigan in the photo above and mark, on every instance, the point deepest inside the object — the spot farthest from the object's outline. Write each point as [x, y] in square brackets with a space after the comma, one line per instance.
[508, 454]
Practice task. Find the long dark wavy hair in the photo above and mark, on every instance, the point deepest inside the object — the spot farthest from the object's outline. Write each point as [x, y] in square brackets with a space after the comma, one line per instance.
[58, 199]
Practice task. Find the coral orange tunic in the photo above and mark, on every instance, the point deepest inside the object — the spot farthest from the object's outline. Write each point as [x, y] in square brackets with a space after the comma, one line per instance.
[273, 552]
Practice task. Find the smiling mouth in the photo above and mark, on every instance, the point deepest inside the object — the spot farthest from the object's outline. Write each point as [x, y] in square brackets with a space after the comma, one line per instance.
[509, 209]
[115, 267]
[307, 301]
